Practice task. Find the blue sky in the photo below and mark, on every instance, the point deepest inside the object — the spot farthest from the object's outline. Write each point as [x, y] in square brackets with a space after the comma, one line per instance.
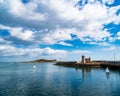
[54, 29]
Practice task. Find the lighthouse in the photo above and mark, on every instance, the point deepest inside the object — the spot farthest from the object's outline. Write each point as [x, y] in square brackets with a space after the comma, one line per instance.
[83, 59]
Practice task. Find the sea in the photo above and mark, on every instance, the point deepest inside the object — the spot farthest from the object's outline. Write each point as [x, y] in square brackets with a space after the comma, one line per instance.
[47, 79]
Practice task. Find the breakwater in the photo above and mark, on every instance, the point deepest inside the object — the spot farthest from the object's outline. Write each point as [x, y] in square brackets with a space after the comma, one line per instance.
[75, 64]
[92, 64]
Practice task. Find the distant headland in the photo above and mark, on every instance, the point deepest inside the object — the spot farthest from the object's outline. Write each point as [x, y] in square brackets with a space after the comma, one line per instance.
[40, 60]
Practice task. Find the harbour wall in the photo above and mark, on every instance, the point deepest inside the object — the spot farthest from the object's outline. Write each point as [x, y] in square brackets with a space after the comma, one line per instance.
[111, 65]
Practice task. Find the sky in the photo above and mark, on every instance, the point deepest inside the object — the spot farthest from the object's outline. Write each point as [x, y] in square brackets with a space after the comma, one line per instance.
[59, 29]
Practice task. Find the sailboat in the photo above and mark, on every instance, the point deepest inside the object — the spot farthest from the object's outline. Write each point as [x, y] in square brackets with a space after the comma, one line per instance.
[34, 67]
[107, 71]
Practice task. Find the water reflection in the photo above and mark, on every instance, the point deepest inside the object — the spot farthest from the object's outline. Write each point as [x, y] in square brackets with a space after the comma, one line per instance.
[34, 70]
[86, 71]
[107, 75]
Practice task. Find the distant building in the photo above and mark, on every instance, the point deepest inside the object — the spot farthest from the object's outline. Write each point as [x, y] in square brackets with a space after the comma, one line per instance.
[85, 60]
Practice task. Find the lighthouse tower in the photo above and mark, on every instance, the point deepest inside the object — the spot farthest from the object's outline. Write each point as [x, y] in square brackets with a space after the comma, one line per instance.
[83, 59]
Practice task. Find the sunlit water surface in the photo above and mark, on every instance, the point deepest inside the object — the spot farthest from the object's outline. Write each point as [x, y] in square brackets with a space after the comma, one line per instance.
[20, 79]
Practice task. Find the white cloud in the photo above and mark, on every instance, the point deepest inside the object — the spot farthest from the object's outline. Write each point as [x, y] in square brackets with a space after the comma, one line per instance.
[94, 11]
[108, 1]
[25, 11]
[3, 41]
[65, 44]
[56, 35]
[81, 52]
[118, 36]
[91, 1]
[19, 33]
[4, 27]
[40, 36]
[86, 22]
[9, 50]
[111, 39]
[112, 16]
[110, 48]
[1, 1]
[99, 43]
[50, 51]
[66, 9]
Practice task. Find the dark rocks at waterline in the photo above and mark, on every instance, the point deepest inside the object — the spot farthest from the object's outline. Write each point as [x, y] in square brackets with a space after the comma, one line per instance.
[111, 66]
[67, 64]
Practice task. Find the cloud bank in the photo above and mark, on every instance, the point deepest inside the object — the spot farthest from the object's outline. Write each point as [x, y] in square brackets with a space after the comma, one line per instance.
[48, 22]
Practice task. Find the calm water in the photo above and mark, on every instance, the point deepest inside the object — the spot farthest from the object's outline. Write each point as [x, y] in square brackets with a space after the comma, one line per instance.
[50, 80]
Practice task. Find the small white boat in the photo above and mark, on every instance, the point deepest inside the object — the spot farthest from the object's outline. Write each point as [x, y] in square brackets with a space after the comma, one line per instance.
[34, 67]
[107, 71]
